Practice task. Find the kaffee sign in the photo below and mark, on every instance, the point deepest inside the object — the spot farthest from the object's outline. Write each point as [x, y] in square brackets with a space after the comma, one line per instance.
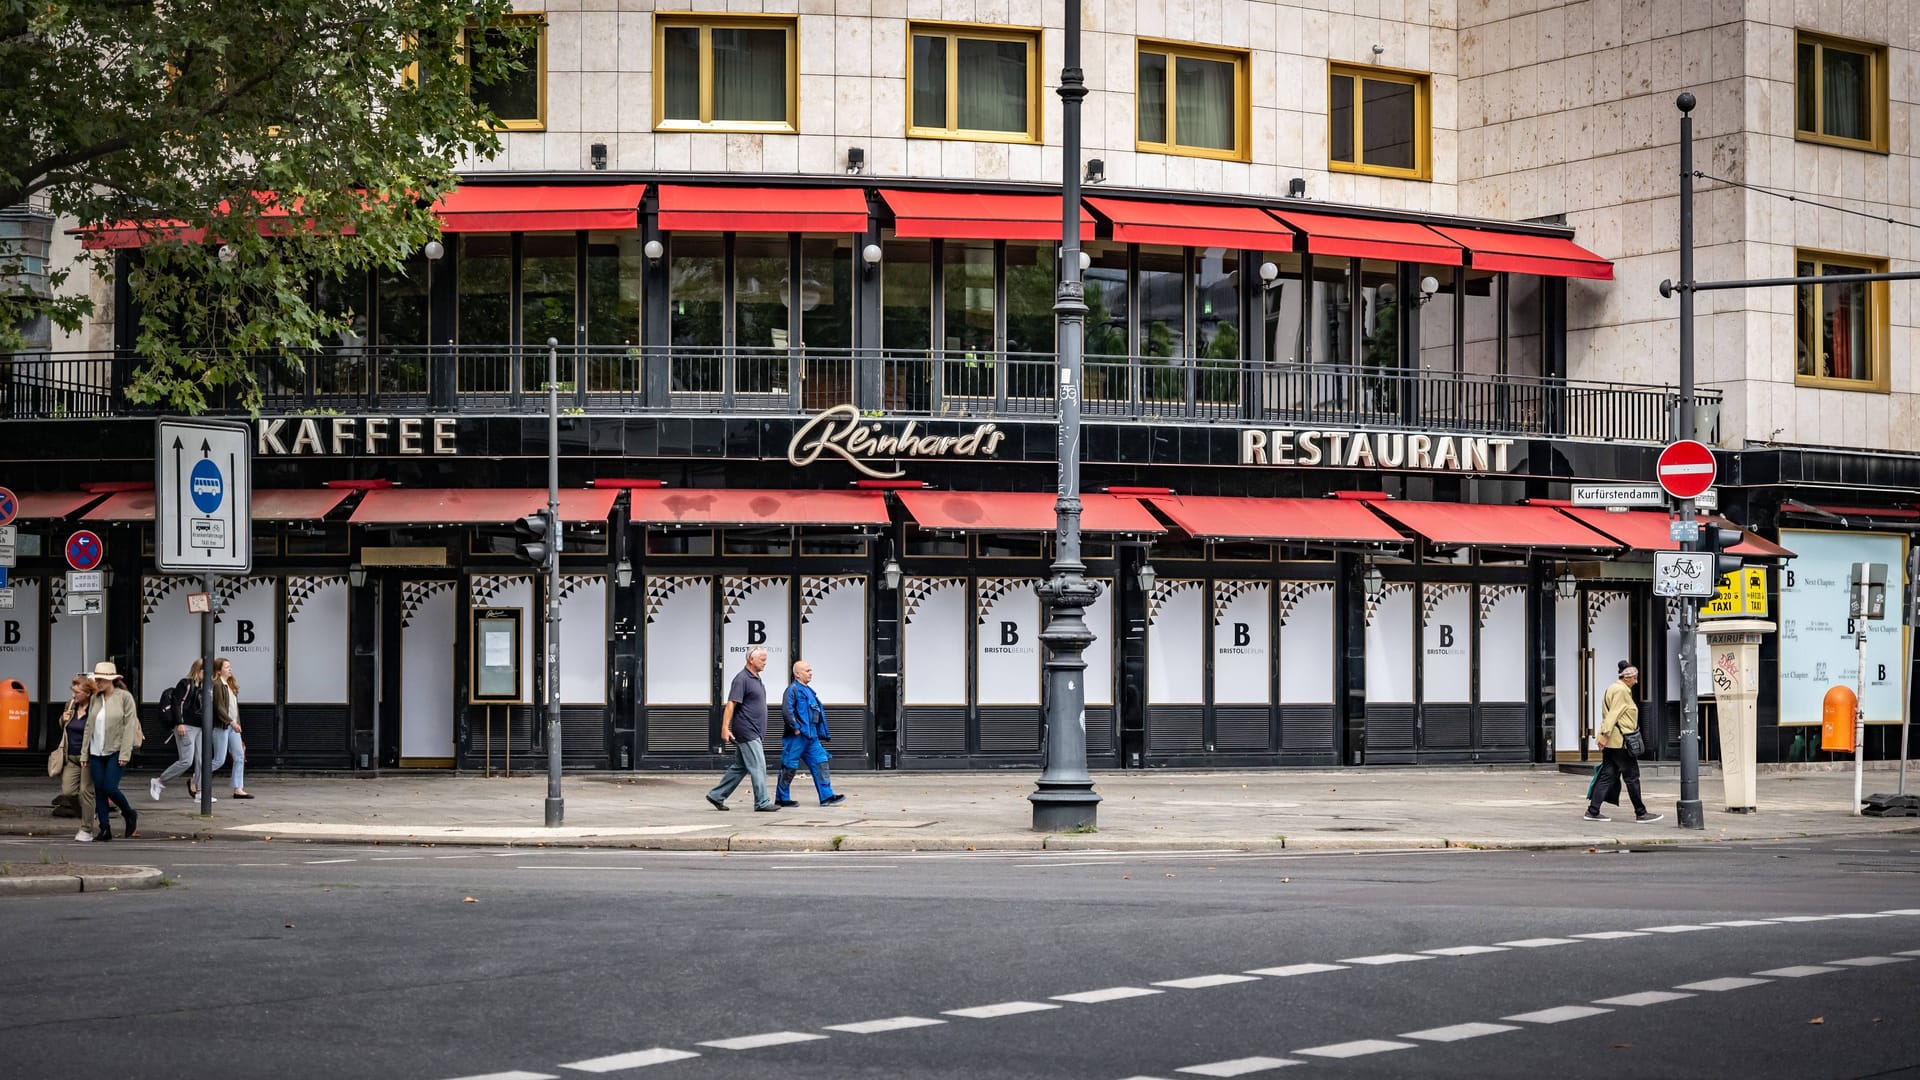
[871, 447]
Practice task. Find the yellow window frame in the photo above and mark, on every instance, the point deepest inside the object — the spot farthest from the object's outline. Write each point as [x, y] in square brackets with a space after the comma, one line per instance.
[1029, 36]
[1242, 99]
[1422, 84]
[539, 120]
[1808, 329]
[706, 24]
[1876, 90]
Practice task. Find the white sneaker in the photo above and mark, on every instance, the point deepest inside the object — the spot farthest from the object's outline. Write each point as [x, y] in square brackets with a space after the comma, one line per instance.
[83, 836]
[154, 788]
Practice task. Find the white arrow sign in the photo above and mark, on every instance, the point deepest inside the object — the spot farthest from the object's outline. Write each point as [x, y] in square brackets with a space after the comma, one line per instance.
[203, 496]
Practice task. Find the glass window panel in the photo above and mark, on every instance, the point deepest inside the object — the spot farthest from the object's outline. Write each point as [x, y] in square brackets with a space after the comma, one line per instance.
[761, 322]
[1436, 319]
[929, 81]
[1806, 91]
[1331, 330]
[343, 369]
[906, 296]
[749, 74]
[516, 96]
[401, 296]
[1284, 325]
[756, 542]
[1340, 120]
[1204, 103]
[968, 281]
[1387, 124]
[1150, 98]
[1216, 325]
[615, 264]
[679, 543]
[1380, 301]
[1105, 375]
[548, 290]
[680, 73]
[696, 291]
[1480, 325]
[486, 290]
[826, 321]
[993, 85]
[1844, 93]
[1162, 297]
[1526, 312]
[1031, 285]
[1805, 303]
[1844, 330]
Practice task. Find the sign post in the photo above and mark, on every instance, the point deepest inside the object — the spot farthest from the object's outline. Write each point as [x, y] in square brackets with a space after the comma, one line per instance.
[85, 552]
[203, 525]
[1686, 470]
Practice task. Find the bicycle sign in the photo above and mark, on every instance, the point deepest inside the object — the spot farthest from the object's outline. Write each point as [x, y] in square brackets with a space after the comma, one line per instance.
[1683, 573]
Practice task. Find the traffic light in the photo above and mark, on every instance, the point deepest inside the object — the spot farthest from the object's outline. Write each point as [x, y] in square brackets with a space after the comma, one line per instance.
[538, 538]
[1717, 540]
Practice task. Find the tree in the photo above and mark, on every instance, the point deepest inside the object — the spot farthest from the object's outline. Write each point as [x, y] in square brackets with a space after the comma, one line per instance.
[260, 148]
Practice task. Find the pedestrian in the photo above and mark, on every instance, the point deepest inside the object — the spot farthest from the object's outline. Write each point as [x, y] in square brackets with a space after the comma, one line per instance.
[1619, 717]
[111, 736]
[76, 782]
[226, 727]
[804, 739]
[744, 724]
[182, 705]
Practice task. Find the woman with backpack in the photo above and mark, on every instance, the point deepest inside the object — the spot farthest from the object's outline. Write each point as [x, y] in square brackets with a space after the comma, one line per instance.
[226, 726]
[182, 706]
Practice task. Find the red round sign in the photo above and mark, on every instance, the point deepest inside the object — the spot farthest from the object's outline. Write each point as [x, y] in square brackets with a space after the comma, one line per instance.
[84, 550]
[1686, 469]
[9, 505]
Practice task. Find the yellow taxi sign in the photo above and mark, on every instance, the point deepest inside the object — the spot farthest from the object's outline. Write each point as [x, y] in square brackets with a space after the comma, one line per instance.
[1744, 593]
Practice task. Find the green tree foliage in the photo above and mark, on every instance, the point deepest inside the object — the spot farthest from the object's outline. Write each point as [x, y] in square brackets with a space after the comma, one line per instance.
[308, 138]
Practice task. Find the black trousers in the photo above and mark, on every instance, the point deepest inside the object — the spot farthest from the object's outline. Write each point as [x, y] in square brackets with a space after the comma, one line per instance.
[1617, 766]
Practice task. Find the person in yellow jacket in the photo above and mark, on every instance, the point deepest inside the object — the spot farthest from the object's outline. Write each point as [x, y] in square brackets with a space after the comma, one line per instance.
[111, 736]
[1619, 715]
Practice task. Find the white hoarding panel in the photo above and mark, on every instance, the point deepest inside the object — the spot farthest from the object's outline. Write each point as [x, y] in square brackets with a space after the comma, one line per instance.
[1099, 654]
[1008, 641]
[833, 636]
[1610, 639]
[246, 619]
[1390, 644]
[1446, 622]
[1817, 646]
[583, 634]
[317, 633]
[1566, 673]
[169, 635]
[1308, 644]
[1175, 626]
[934, 649]
[679, 640]
[20, 640]
[1503, 643]
[1242, 649]
[428, 612]
[753, 613]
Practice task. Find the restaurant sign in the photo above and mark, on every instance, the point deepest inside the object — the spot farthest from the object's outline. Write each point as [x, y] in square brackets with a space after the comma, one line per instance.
[1419, 451]
[876, 448]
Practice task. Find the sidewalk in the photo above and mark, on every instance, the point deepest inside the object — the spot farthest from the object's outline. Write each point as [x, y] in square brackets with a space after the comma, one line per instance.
[1502, 807]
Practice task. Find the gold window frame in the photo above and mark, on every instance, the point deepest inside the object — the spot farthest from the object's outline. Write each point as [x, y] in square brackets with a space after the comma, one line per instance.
[1422, 84]
[1876, 90]
[1242, 63]
[1808, 330]
[1030, 36]
[706, 24]
[527, 18]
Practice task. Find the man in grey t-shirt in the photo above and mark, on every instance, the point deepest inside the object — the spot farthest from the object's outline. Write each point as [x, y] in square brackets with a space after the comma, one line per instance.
[744, 724]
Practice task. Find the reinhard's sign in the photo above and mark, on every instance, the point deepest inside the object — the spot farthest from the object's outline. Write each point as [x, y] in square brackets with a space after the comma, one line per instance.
[869, 446]
[1374, 450]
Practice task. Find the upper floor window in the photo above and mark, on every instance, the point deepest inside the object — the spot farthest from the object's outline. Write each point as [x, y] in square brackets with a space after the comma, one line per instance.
[1840, 92]
[1842, 327]
[719, 71]
[519, 99]
[1192, 100]
[1377, 122]
[974, 83]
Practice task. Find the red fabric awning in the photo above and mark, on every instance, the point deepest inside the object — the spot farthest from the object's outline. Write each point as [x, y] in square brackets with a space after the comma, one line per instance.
[1226, 517]
[1367, 238]
[1648, 530]
[1473, 524]
[758, 506]
[124, 506]
[1023, 511]
[269, 504]
[1184, 225]
[540, 207]
[764, 210]
[475, 506]
[954, 215]
[41, 505]
[1548, 256]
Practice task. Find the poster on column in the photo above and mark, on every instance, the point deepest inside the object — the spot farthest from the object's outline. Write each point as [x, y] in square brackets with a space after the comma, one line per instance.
[244, 631]
[20, 639]
[512, 591]
[1817, 646]
[1176, 666]
[1306, 642]
[934, 659]
[1242, 656]
[66, 651]
[1008, 640]
[583, 638]
[1503, 643]
[754, 616]
[317, 631]
[833, 636]
[679, 640]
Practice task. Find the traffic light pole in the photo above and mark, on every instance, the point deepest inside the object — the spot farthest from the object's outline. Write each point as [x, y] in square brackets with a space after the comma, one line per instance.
[1688, 812]
[556, 808]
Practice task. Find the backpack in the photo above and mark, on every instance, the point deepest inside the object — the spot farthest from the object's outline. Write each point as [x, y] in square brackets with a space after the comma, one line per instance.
[176, 703]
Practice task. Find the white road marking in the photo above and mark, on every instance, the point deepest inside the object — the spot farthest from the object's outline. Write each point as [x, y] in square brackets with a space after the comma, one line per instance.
[1076, 862]
[1644, 997]
[1457, 1032]
[1005, 1008]
[516, 1075]
[1717, 985]
[895, 1023]
[1201, 982]
[755, 1042]
[1240, 1066]
[1296, 969]
[1908, 952]
[1677, 928]
[659, 1055]
[1865, 915]
[1357, 1048]
[1464, 950]
[326, 862]
[1864, 850]
[1744, 922]
[1538, 942]
[1902, 911]
[1804, 918]
[1559, 1015]
[1111, 993]
[550, 866]
[1385, 958]
[1797, 971]
[458, 856]
[1870, 961]
[1613, 935]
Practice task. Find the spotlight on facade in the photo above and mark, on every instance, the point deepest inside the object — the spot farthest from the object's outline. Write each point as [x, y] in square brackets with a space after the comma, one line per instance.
[1566, 586]
[1297, 188]
[856, 160]
[434, 251]
[1096, 171]
[890, 576]
[1145, 577]
[599, 154]
[653, 250]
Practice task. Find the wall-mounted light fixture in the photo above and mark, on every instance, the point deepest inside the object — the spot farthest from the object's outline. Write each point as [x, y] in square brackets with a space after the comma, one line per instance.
[1145, 577]
[870, 255]
[434, 251]
[356, 575]
[1297, 188]
[227, 254]
[1376, 582]
[1566, 586]
[1086, 260]
[1268, 272]
[653, 250]
[598, 154]
[1429, 285]
[1379, 49]
[1096, 171]
[623, 573]
[890, 576]
[856, 160]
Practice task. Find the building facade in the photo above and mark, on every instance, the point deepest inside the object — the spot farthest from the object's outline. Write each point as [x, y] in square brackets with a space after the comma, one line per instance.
[1371, 292]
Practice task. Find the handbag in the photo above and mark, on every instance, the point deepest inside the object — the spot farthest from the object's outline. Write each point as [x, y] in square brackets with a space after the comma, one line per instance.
[1636, 743]
[57, 760]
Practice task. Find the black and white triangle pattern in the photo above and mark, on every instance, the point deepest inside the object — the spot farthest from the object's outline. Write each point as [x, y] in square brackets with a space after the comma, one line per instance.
[992, 589]
[733, 590]
[1436, 593]
[1226, 592]
[484, 587]
[227, 590]
[1165, 589]
[1597, 601]
[815, 589]
[915, 591]
[660, 589]
[415, 593]
[1492, 595]
[56, 598]
[155, 589]
[573, 583]
[1391, 588]
[301, 589]
[1292, 592]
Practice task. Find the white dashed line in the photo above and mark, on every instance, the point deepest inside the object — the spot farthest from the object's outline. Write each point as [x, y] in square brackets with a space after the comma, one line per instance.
[1644, 997]
[1457, 1032]
[1357, 1048]
[1870, 961]
[1744, 922]
[1805, 918]
[756, 1042]
[1613, 935]
[1798, 971]
[1296, 969]
[1908, 952]
[1465, 950]
[1240, 1066]
[1385, 958]
[1201, 982]
[1678, 928]
[328, 862]
[893, 1023]
[1902, 911]
[397, 858]
[1559, 1015]
[1717, 985]
[1866, 915]
[512, 1076]
[659, 1055]
[1538, 942]
[1005, 1008]
[1111, 993]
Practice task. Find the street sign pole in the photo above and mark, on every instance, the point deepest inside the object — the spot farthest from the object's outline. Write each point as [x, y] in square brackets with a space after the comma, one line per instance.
[204, 768]
[556, 806]
[1689, 813]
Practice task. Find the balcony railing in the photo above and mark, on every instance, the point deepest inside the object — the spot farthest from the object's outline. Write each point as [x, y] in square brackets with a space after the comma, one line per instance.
[953, 384]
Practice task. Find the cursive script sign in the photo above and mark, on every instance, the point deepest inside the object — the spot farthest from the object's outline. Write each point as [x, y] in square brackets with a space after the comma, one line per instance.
[862, 442]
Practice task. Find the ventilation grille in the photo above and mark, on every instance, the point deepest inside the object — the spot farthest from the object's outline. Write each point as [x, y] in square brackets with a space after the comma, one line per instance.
[1174, 728]
[1014, 730]
[583, 735]
[318, 729]
[1100, 730]
[1306, 729]
[1389, 728]
[1242, 729]
[849, 724]
[937, 729]
[677, 731]
[1503, 726]
[1447, 727]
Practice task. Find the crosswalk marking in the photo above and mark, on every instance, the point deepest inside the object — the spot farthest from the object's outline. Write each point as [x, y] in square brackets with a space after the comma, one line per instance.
[1612, 935]
[1005, 1008]
[1797, 971]
[1644, 997]
[1538, 942]
[1240, 1066]
[1356, 1048]
[1465, 950]
[1717, 985]
[892, 1023]
[756, 1042]
[1385, 958]
[1111, 993]
[515, 1075]
[1558, 1015]
[1679, 928]
[1297, 969]
[1457, 1032]
[659, 1055]
[1200, 982]
[1869, 961]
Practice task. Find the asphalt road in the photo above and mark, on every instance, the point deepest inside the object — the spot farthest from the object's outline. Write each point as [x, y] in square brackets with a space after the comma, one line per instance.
[286, 961]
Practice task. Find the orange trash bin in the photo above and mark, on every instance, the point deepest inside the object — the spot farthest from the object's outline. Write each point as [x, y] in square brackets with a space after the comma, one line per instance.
[14, 710]
[1836, 720]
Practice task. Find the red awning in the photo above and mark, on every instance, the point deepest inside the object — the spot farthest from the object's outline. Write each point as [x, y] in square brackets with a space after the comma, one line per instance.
[954, 215]
[753, 506]
[1367, 238]
[125, 506]
[764, 210]
[41, 505]
[1184, 225]
[269, 504]
[1548, 256]
[1648, 530]
[475, 506]
[540, 207]
[1023, 511]
[1888, 513]
[1225, 517]
[1473, 524]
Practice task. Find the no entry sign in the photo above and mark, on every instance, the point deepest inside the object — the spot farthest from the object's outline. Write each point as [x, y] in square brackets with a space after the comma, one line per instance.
[1686, 469]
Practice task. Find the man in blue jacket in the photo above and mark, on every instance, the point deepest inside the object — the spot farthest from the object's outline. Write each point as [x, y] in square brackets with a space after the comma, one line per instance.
[804, 739]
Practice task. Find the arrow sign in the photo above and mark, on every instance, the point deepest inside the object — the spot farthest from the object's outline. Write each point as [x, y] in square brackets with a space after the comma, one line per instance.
[1686, 468]
[203, 501]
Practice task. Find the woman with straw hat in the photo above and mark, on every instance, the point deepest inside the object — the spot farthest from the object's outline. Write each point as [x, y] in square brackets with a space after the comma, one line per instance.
[111, 736]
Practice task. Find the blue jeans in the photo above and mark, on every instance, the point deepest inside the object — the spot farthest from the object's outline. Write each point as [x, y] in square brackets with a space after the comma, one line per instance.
[107, 770]
[221, 736]
[749, 762]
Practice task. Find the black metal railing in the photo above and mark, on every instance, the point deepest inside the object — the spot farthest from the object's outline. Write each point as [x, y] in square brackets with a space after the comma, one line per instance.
[939, 383]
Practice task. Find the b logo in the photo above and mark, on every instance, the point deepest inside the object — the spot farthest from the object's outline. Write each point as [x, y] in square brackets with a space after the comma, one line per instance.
[244, 630]
[12, 633]
[1446, 636]
[1882, 677]
[1009, 633]
[756, 632]
[1242, 634]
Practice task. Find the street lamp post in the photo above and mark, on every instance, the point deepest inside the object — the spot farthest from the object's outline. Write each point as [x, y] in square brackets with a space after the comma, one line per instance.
[1689, 812]
[556, 806]
[1063, 798]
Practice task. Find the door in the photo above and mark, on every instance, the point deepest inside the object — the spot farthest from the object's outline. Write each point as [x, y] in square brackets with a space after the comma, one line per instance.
[834, 638]
[421, 630]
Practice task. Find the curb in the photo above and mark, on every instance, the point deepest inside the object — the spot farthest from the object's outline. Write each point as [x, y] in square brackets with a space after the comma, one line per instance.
[134, 877]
